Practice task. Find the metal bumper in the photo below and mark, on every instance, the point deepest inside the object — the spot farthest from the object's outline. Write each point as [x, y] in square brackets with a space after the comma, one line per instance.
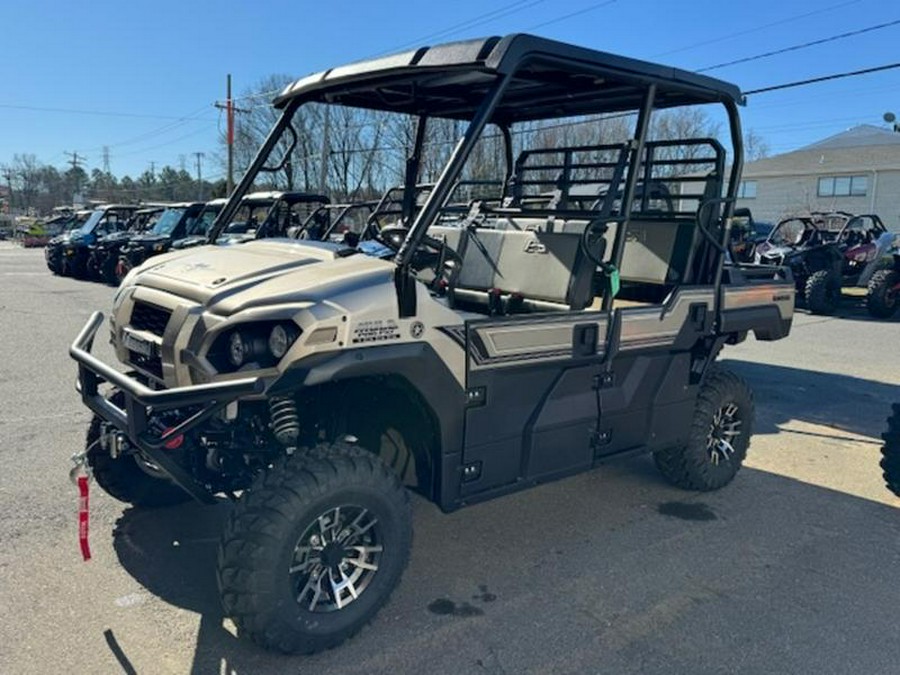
[142, 403]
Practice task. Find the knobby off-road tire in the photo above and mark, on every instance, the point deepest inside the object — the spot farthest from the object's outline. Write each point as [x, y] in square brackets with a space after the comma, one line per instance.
[890, 452]
[122, 477]
[108, 271]
[309, 524]
[719, 436]
[823, 292]
[123, 267]
[881, 300]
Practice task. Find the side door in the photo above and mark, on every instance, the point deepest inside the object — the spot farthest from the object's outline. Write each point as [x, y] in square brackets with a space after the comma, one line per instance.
[532, 409]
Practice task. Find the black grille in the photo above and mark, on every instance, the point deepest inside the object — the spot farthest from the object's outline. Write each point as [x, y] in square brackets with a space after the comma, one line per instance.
[150, 318]
[150, 364]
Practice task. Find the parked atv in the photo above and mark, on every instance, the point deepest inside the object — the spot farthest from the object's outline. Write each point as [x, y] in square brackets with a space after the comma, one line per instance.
[890, 452]
[102, 222]
[264, 215]
[53, 251]
[468, 356]
[198, 232]
[825, 252]
[883, 284]
[746, 234]
[171, 225]
[103, 258]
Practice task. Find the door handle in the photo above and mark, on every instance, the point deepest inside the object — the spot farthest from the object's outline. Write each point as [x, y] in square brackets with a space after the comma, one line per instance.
[584, 339]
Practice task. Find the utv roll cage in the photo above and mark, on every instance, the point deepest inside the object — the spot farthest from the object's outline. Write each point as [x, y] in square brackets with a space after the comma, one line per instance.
[504, 81]
[277, 218]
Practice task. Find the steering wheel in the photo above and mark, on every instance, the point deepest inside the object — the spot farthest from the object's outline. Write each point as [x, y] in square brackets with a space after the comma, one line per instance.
[437, 255]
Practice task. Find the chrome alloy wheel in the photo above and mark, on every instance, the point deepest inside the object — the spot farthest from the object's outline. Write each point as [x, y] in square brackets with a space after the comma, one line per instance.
[723, 430]
[336, 558]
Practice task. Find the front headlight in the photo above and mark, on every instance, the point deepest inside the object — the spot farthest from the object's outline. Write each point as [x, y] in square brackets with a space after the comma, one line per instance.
[157, 248]
[257, 345]
[281, 338]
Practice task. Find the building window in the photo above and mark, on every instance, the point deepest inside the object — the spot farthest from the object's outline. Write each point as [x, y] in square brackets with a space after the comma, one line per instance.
[843, 186]
[747, 189]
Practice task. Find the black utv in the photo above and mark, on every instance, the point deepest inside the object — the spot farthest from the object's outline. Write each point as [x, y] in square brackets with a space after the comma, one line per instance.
[103, 256]
[271, 214]
[76, 247]
[172, 224]
[825, 251]
[53, 251]
[198, 232]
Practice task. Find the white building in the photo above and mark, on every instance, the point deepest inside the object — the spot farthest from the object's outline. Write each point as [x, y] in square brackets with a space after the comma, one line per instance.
[856, 171]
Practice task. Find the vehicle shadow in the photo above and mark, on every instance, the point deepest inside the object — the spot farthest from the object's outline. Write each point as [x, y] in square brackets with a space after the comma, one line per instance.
[852, 307]
[172, 553]
[842, 402]
[610, 571]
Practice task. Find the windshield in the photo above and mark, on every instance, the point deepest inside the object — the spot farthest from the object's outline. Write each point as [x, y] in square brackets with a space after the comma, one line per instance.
[789, 233]
[168, 221]
[201, 225]
[90, 223]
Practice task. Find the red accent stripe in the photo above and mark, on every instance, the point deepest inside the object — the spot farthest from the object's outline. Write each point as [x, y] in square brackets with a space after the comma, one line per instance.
[83, 517]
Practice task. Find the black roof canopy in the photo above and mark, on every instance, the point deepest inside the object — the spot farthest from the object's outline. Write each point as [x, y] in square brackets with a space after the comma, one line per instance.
[552, 79]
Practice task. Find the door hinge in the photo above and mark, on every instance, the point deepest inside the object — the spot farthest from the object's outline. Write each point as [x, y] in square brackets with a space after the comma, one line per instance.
[604, 380]
[475, 397]
[601, 437]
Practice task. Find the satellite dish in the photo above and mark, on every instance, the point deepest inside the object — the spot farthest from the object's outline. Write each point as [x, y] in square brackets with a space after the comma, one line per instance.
[889, 117]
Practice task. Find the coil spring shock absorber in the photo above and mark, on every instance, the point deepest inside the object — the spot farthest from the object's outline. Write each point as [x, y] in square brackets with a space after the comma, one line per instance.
[285, 420]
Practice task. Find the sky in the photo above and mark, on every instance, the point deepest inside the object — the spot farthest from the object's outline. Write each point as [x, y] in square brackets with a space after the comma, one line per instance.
[141, 78]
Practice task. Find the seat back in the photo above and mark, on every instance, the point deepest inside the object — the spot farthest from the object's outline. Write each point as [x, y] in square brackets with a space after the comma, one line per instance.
[657, 251]
[547, 267]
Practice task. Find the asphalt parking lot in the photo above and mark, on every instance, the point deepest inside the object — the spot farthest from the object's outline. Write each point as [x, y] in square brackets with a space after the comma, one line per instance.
[792, 568]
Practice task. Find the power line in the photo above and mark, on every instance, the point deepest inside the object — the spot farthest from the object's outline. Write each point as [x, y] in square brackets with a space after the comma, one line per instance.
[749, 31]
[74, 111]
[141, 151]
[189, 117]
[803, 45]
[478, 20]
[570, 15]
[824, 78]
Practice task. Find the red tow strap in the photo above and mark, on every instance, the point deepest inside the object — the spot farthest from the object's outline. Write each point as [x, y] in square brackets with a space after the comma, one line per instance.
[83, 517]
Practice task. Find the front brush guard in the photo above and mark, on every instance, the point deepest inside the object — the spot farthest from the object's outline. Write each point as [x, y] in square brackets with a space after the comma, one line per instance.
[142, 403]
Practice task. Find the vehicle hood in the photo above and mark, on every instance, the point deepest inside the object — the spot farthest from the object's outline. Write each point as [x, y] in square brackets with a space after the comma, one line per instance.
[148, 239]
[191, 240]
[59, 239]
[228, 279]
[771, 251]
[114, 238]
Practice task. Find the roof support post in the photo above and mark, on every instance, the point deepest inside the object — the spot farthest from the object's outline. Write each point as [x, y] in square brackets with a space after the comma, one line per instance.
[634, 168]
[451, 172]
[234, 199]
[737, 166]
[412, 172]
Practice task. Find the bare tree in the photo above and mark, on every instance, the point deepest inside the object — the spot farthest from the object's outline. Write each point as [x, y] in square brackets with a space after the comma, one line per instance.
[755, 146]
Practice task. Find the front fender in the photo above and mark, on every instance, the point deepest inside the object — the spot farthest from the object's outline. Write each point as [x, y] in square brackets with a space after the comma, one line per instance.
[422, 368]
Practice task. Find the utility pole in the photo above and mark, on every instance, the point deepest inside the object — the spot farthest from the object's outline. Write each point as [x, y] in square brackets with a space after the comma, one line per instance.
[105, 159]
[230, 109]
[199, 156]
[8, 175]
[76, 159]
[152, 169]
